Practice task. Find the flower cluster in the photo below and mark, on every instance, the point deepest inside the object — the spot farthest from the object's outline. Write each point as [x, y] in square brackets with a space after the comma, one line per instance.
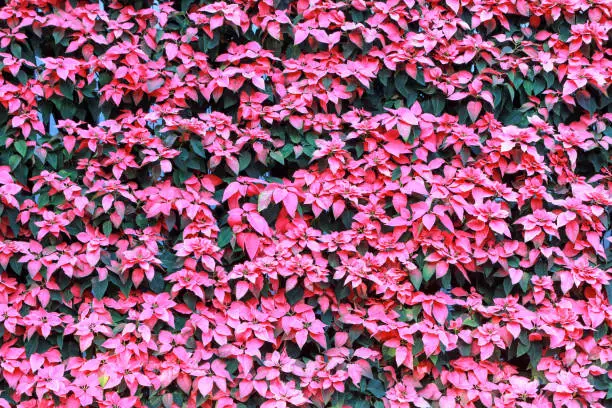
[277, 204]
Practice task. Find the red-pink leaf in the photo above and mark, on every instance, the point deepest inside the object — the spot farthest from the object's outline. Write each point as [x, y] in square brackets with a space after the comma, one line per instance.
[251, 242]
[454, 5]
[515, 275]
[397, 147]
[171, 50]
[258, 223]
[473, 108]
[69, 142]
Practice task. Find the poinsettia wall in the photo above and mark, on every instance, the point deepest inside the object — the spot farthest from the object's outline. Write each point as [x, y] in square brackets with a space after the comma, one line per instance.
[311, 203]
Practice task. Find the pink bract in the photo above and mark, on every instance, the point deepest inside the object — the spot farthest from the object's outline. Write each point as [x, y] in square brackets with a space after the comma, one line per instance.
[311, 203]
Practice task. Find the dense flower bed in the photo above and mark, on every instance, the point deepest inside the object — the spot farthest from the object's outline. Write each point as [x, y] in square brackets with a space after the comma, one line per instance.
[305, 203]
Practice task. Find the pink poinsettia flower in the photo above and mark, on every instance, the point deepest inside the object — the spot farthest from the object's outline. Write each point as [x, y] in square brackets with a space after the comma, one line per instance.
[113, 400]
[87, 389]
[537, 225]
[581, 271]
[52, 224]
[157, 307]
[283, 395]
[490, 336]
[89, 327]
[42, 322]
[51, 380]
[142, 261]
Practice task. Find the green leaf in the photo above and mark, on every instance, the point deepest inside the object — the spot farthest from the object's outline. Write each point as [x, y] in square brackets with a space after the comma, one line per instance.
[600, 382]
[294, 295]
[528, 87]
[107, 228]
[12, 219]
[157, 284]
[438, 103]
[169, 260]
[549, 77]
[416, 278]
[535, 354]
[524, 282]
[58, 35]
[601, 331]
[17, 267]
[522, 349]
[141, 221]
[465, 349]
[21, 147]
[428, 272]
[383, 76]
[31, 345]
[229, 100]
[513, 261]
[401, 80]
[510, 91]
[70, 349]
[52, 160]
[564, 32]
[16, 50]
[99, 287]
[196, 146]
[190, 300]
[586, 102]
[376, 388]
[244, 160]
[388, 353]
[287, 150]
[507, 286]
[538, 86]
[511, 75]
[278, 156]
[185, 4]
[341, 291]
[225, 237]
[518, 81]
[397, 172]
[125, 287]
[14, 161]
[420, 77]
[541, 268]
[67, 89]
[497, 96]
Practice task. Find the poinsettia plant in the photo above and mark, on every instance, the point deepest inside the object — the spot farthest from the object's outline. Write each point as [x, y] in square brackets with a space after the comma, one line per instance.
[278, 204]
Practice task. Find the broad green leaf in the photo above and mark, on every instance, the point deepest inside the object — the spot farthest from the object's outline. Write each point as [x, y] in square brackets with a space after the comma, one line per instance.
[21, 147]
[99, 287]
